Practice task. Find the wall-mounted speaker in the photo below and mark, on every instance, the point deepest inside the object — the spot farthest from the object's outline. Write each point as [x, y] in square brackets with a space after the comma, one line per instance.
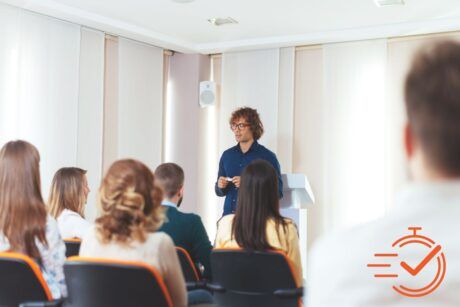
[207, 93]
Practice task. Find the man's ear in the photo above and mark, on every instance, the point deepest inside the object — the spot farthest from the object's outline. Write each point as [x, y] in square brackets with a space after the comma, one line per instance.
[181, 191]
[408, 141]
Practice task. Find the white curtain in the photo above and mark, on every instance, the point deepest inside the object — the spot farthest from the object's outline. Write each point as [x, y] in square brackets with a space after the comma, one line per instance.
[285, 135]
[308, 142]
[353, 128]
[140, 101]
[39, 75]
[90, 112]
[110, 137]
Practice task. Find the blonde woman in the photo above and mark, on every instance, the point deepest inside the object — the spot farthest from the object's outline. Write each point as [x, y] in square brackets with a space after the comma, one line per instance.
[25, 227]
[131, 212]
[69, 193]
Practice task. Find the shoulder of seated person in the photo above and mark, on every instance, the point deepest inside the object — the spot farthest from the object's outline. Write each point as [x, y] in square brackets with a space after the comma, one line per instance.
[159, 236]
[49, 218]
[290, 222]
[190, 215]
[290, 225]
[91, 232]
[51, 221]
[67, 212]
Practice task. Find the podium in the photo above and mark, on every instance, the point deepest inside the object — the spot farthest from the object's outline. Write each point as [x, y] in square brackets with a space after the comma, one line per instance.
[297, 198]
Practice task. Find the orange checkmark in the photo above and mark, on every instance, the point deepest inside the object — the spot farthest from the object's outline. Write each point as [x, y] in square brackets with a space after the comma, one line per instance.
[422, 264]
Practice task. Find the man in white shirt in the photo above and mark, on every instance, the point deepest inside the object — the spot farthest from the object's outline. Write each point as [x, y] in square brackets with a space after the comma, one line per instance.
[411, 257]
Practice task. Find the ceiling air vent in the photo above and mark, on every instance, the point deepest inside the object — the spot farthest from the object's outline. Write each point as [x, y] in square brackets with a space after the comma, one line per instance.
[388, 2]
[222, 21]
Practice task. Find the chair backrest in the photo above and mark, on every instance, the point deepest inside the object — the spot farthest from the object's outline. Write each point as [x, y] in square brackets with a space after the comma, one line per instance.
[244, 278]
[188, 267]
[21, 280]
[72, 247]
[114, 283]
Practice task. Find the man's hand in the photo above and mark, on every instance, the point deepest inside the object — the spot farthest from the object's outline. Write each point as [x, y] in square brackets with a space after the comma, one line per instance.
[222, 182]
[236, 181]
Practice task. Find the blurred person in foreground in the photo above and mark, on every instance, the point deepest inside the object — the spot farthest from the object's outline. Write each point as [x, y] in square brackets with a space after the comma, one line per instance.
[339, 272]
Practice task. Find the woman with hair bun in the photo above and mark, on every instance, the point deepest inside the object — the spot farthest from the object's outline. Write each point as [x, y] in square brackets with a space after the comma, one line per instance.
[131, 212]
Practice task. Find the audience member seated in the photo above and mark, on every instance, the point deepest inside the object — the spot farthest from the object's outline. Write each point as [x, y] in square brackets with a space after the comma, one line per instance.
[25, 226]
[257, 223]
[69, 193]
[131, 212]
[339, 275]
[186, 229]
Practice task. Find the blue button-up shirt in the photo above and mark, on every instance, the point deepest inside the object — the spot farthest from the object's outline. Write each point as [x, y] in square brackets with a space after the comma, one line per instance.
[233, 161]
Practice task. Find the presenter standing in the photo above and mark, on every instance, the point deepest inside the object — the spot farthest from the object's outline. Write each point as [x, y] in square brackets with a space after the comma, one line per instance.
[247, 127]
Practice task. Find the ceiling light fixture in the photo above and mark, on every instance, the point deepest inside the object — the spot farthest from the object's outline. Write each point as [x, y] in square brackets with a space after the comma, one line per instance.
[381, 3]
[222, 21]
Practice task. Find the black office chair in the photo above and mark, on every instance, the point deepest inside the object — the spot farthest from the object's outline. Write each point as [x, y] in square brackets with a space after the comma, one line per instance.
[113, 283]
[247, 279]
[21, 281]
[188, 267]
[72, 247]
[191, 274]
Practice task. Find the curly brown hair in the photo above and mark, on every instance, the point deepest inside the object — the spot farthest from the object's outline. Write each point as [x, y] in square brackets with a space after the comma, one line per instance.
[252, 117]
[130, 203]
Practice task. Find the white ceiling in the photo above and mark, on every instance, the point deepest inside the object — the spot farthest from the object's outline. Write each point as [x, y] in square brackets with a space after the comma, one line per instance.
[262, 23]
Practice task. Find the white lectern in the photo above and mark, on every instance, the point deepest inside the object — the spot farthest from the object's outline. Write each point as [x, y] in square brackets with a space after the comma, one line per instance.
[298, 196]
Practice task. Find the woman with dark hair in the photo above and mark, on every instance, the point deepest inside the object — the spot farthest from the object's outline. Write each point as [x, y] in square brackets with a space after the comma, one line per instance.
[131, 213]
[257, 223]
[25, 227]
[67, 200]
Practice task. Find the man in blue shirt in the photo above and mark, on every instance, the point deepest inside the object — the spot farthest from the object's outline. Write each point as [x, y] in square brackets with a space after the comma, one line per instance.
[247, 127]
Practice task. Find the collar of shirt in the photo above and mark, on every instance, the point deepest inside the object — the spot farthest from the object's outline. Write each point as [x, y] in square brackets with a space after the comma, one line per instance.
[66, 212]
[419, 195]
[168, 204]
[254, 146]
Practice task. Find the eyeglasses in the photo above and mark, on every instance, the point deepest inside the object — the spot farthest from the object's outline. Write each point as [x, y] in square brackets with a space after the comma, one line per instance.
[239, 126]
